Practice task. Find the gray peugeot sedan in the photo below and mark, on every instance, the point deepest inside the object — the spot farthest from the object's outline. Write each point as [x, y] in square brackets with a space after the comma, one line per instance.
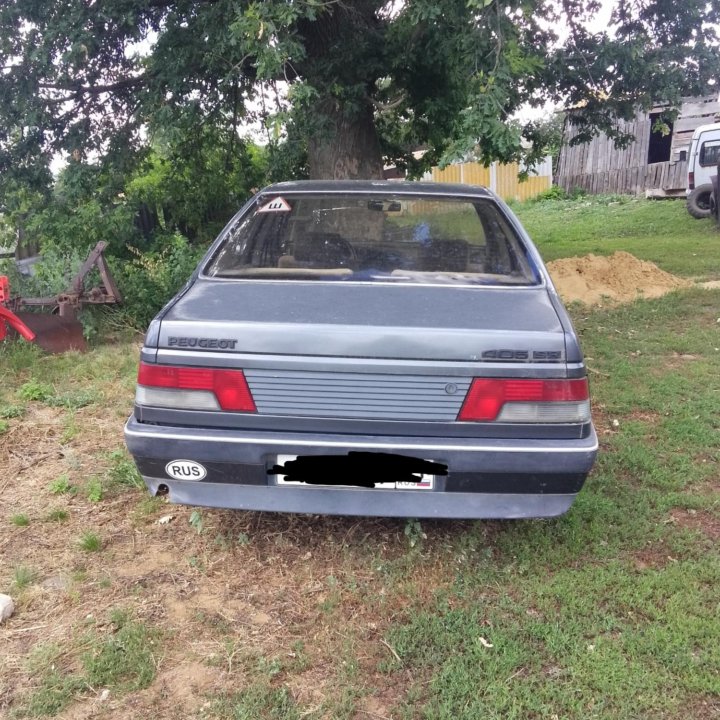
[366, 348]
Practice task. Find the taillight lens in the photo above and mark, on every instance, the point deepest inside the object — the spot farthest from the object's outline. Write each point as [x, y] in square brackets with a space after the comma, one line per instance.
[691, 181]
[194, 388]
[518, 400]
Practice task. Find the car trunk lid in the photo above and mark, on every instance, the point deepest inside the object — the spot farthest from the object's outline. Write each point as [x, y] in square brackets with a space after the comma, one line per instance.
[514, 325]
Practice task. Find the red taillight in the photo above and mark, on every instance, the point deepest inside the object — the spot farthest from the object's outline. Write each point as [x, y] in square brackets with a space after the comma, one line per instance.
[229, 386]
[691, 181]
[486, 396]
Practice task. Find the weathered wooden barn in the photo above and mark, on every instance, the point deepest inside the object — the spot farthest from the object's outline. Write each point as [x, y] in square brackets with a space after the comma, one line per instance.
[653, 164]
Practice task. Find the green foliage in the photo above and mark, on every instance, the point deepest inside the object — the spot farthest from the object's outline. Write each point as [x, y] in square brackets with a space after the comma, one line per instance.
[414, 533]
[35, 390]
[61, 486]
[163, 126]
[152, 277]
[4, 426]
[20, 520]
[11, 411]
[446, 76]
[94, 489]
[158, 216]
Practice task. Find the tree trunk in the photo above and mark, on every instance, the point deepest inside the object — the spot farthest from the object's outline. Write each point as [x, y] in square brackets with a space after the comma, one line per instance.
[345, 146]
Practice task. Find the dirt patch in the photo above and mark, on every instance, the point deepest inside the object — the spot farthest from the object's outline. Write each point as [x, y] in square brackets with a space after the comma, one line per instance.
[699, 520]
[619, 278]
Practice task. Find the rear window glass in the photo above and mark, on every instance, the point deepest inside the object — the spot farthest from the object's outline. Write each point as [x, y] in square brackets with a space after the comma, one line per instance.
[710, 153]
[360, 238]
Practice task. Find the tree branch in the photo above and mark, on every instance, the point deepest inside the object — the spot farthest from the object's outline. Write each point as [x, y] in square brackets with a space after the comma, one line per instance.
[77, 90]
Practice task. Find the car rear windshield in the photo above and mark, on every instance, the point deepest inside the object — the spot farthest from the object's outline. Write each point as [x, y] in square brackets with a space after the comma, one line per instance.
[360, 238]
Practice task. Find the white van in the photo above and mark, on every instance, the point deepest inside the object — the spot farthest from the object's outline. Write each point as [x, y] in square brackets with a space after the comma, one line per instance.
[702, 165]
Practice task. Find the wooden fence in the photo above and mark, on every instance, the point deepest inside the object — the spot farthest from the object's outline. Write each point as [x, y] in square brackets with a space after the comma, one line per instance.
[666, 176]
[502, 179]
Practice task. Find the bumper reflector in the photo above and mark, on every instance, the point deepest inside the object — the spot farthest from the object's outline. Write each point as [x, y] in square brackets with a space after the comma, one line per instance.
[519, 400]
[194, 388]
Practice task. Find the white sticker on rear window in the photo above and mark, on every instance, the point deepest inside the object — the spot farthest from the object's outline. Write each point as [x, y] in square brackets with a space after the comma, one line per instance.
[277, 205]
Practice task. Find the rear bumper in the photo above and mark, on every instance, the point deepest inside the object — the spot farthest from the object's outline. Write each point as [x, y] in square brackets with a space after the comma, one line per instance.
[488, 478]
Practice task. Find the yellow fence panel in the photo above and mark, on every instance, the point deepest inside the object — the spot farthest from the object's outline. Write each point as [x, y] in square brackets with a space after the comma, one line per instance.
[502, 179]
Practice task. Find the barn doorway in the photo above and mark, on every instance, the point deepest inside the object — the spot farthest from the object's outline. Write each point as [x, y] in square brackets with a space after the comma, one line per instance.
[659, 146]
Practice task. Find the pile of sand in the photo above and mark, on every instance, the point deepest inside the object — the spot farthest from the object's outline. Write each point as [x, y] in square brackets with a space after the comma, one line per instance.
[621, 277]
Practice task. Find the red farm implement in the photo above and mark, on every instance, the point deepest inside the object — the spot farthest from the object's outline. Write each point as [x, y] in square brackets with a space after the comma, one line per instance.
[55, 328]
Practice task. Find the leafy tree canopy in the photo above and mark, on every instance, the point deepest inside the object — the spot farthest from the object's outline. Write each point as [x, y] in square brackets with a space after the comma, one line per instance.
[366, 81]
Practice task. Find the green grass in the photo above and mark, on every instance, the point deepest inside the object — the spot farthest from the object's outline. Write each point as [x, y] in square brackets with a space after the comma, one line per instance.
[124, 659]
[57, 515]
[24, 576]
[259, 701]
[611, 610]
[658, 230]
[94, 489]
[20, 520]
[90, 542]
[122, 471]
[119, 658]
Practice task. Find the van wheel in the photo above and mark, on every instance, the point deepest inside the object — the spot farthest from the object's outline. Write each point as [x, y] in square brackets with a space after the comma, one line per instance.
[698, 201]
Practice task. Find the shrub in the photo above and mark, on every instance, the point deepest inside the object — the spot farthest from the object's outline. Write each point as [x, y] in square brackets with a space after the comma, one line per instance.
[152, 277]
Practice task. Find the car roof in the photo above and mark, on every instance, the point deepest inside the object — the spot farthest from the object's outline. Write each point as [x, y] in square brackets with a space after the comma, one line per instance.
[384, 186]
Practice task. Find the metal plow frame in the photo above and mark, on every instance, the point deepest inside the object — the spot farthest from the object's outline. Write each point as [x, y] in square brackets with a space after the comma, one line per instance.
[59, 330]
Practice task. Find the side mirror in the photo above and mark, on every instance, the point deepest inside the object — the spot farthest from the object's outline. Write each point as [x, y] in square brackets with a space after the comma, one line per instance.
[683, 156]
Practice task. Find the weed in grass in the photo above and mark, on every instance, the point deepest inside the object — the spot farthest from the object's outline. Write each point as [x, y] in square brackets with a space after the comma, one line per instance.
[257, 701]
[90, 542]
[123, 471]
[74, 400]
[243, 539]
[35, 390]
[94, 489]
[57, 515]
[53, 693]
[4, 426]
[120, 662]
[299, 658]
[70, 429]
[146, 508]
[11, 411]
[62, 486]
[124, 659]
[196, 521]
[195, 562]
[223, 541]
[24, 576]
[20, 520]
[414, 533]
[269, 667]
[54, 688]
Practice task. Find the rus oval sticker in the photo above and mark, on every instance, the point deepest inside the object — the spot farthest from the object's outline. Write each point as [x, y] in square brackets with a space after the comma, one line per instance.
[185, 470]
